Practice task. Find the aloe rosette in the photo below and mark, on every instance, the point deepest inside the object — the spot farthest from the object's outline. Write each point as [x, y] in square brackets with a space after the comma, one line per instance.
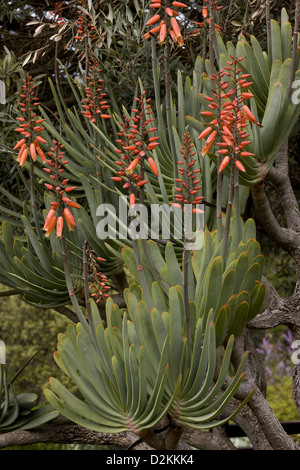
[20, 411]
[136, 370]
[230, 290]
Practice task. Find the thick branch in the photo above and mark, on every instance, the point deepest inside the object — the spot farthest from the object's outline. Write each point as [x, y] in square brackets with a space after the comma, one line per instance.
[282, 236]
[62, 431]
[278, 178]
[269, 425]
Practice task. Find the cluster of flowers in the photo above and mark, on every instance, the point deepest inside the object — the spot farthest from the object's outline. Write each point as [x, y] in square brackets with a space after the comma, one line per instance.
[135, 141]
[230, 118]
[56, 14]
[85, 28]
[163, 27]
[99, 285]
[94, 103]
[30, 125]
[206, 18]
[59, 211]
[188, 185]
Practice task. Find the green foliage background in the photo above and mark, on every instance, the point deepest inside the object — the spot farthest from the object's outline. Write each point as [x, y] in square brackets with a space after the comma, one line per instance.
[26, 330]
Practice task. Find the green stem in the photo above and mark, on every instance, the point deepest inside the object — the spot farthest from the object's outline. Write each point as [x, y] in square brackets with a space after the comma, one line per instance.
[219, 203]
[268, 21]
[70, 286]
[156, 84]
[236, 202]
[228, 210]
[168, 106]
[186, 300]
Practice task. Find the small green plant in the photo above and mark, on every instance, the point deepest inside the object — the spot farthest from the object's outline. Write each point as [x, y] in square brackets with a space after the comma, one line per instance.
[20, 411]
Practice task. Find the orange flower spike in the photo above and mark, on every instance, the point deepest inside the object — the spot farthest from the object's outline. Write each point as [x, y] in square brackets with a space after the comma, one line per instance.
[204, 12]
[59, 226]
[169, 12]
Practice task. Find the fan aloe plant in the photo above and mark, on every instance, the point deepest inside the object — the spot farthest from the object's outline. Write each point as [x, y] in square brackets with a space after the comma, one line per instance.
[136, 370]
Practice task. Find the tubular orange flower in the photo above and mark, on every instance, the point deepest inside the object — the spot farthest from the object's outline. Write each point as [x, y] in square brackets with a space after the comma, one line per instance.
[179, 4]
[132, 165]
[132, 199]
[49, 218]
[240, 166]
[224, 163]
[153, 20]
[51, 227]
[33, 151]
[40, 153]
[24, 156]
[163, 33]
[71, 203]
[175, 27]
[204, 133]
[169, 11]
[59, 226]
[19, 144]
[250, 115]
[142, 183]
[153, 166]
[69, 219]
